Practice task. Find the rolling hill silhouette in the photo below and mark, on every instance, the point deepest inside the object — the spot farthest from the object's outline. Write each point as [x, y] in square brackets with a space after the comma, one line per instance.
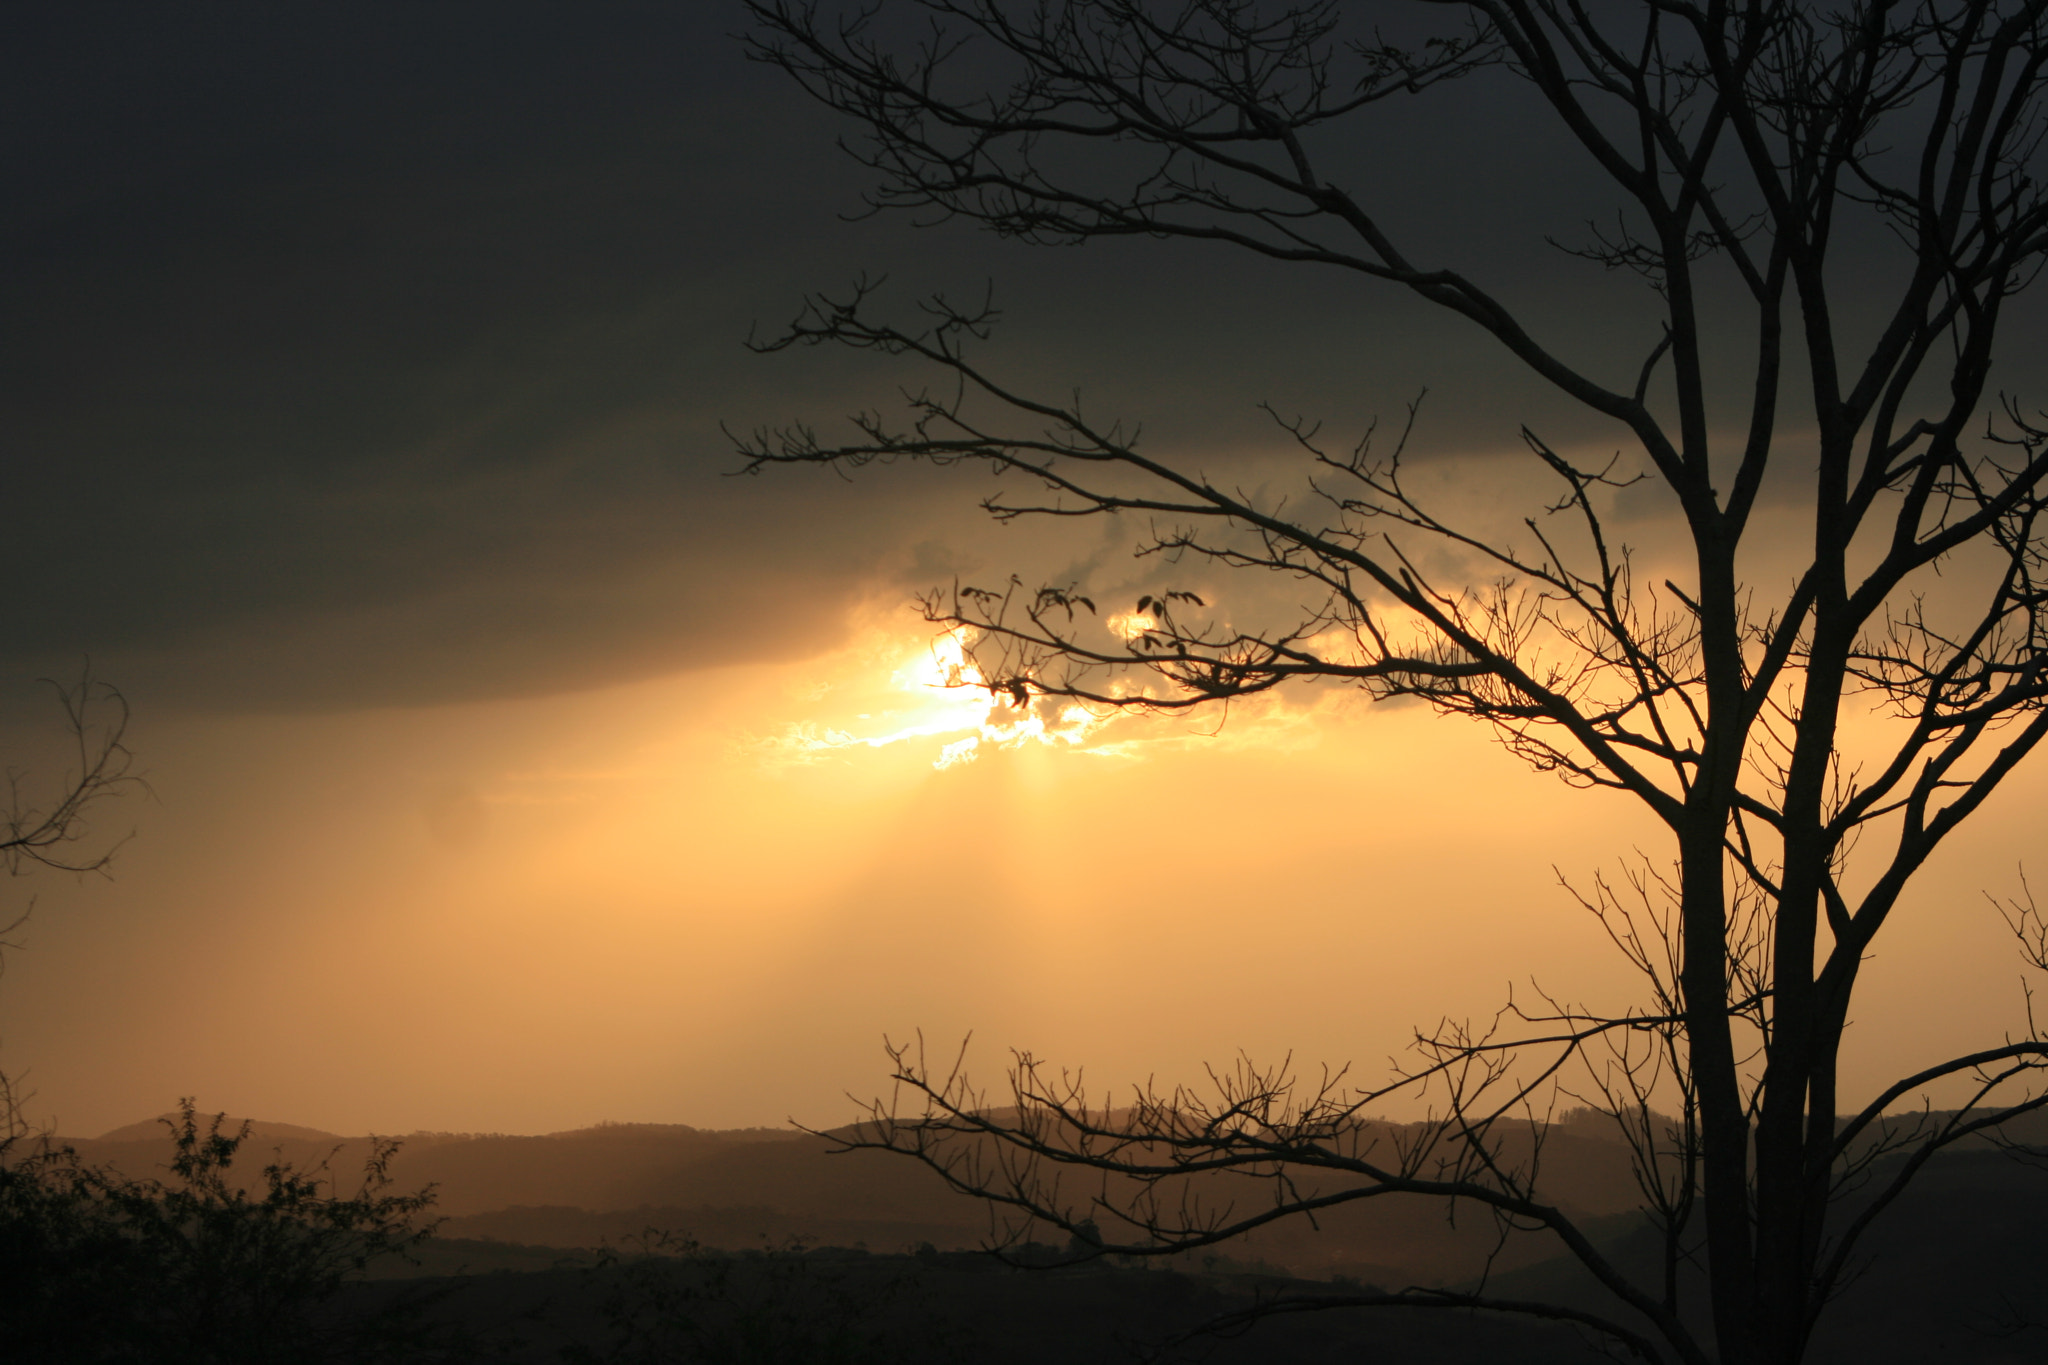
[736, 1188]
[1956, 1270]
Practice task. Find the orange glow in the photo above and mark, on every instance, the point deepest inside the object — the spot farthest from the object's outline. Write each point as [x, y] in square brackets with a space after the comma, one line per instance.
[949, 698]
[705, 898]
[1129, 625]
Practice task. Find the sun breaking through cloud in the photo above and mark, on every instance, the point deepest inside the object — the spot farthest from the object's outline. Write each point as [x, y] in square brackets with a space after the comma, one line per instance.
[952, 702]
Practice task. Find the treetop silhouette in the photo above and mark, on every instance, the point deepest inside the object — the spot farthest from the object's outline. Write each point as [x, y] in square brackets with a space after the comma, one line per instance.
[1806, 743]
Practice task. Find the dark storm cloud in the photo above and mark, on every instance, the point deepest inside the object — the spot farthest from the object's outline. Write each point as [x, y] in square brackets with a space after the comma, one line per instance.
[375, 353]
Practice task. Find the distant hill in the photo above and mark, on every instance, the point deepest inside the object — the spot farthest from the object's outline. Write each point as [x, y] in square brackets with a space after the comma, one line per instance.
[738, 1188]
[1957, 1270]
[153, 1130]
[591, 1186]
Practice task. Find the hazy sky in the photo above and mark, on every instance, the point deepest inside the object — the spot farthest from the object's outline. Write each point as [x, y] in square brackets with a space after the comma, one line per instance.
[363, 378]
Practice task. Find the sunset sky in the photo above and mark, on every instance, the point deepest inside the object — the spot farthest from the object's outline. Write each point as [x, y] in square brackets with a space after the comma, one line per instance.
[512, 767]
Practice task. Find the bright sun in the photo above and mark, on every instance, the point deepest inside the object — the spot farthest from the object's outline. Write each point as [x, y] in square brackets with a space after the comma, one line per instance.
[940, 694]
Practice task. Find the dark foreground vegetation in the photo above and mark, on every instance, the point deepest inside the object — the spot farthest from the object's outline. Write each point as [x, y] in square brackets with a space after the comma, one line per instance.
[230, 1253]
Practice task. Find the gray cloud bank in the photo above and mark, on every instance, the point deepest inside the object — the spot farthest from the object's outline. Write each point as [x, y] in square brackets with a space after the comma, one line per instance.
[375, 354]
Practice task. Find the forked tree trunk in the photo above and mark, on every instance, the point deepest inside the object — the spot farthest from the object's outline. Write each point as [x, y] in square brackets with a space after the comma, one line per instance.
[1741, 132]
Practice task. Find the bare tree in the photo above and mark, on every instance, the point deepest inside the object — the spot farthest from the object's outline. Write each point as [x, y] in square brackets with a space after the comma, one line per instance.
[1748, 143]
[50, 831]
[44, 825]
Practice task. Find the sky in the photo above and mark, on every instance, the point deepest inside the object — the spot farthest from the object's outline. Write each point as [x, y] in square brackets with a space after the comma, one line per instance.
[513, 766]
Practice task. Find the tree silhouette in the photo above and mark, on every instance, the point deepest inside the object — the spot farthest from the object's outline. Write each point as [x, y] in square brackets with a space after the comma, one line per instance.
[45, 827]
[1806, 746]
[209, 1266]
[45, 831]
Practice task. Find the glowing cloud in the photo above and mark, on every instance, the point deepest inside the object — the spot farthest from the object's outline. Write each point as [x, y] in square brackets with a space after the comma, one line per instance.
[953, 702]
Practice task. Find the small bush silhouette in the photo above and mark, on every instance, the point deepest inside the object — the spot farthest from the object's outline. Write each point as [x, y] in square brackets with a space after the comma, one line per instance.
[198, 1269]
